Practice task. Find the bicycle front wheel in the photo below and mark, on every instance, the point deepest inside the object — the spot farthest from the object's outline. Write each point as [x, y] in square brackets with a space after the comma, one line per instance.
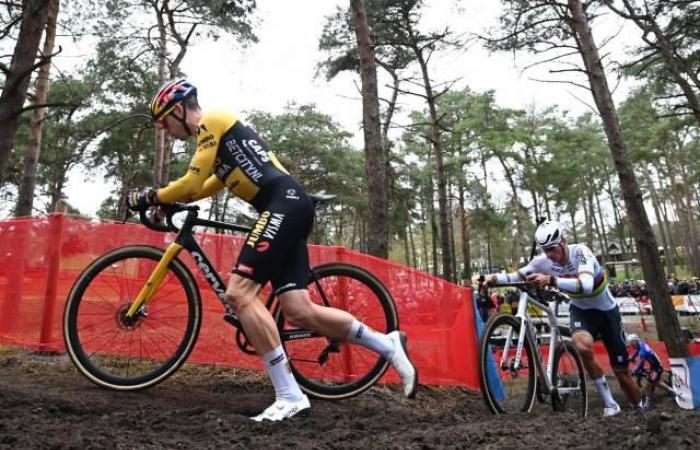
[569, 381]
[507, 384]
[335, 370]
[114, 351]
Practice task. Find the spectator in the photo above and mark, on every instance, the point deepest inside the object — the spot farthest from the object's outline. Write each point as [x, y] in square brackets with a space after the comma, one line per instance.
[513, 301]
[484, 304]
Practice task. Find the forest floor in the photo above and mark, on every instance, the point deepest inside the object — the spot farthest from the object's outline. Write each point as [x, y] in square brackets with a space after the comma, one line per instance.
[45, 403]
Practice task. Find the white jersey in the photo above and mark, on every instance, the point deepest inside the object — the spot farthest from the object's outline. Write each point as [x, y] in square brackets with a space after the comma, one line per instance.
[581, 260]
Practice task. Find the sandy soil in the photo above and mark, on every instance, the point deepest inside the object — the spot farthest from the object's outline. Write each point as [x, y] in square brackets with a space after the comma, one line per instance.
[45, 403]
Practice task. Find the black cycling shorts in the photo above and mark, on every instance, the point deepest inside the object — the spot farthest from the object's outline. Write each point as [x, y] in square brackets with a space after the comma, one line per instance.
[605, 325]
[275, 249]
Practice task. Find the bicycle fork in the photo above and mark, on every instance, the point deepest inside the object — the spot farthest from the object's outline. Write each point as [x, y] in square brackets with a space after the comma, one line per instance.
[154, 280]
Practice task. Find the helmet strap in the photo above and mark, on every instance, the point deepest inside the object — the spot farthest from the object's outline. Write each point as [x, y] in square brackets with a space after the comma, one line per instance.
[183, 120]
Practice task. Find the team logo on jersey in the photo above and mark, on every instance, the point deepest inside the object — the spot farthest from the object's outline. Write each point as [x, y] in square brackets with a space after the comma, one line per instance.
[581, 258]
[207, 141]
[241, 157]
[252, 144]
[262, 246]
[292, 194]
[242, 268]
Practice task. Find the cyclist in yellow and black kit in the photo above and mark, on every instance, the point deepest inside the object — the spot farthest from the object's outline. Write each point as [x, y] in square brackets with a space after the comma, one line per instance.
[231, 155]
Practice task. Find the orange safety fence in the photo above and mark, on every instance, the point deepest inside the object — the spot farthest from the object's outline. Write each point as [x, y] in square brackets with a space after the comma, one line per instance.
[40, 258]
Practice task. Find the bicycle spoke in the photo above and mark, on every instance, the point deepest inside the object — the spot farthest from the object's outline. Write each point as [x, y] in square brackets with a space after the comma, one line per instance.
[569, 381]
[508, 379]
[135, 352]
[346, 369]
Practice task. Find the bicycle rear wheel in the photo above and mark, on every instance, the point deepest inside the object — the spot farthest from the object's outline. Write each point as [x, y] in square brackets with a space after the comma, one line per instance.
[569, 380]
[117, 353]
[336, 370]
[507, 385]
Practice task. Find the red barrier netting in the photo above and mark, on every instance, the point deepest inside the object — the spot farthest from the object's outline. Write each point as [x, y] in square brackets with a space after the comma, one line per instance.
[41, 258]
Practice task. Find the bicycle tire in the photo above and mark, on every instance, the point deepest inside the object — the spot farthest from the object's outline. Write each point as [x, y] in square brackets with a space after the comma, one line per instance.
[99, 341]
[349, 369]
[506, 389]
[572, 375]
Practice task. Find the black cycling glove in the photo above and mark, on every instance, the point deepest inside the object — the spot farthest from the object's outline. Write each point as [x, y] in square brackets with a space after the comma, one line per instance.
[141, 200]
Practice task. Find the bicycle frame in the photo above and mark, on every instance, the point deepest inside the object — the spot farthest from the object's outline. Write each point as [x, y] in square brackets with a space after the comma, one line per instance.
[185, 240]
[544, 373]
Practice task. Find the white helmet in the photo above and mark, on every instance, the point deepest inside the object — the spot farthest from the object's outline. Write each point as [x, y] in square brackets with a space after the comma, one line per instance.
[549, 233]
[632, 338]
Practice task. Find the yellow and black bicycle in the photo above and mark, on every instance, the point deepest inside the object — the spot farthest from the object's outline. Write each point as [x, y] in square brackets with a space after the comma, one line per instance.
[133, 315]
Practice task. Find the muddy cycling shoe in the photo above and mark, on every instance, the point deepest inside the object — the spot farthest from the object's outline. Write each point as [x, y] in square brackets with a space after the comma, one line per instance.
[611, 410]
[403, 365]
[284, 409]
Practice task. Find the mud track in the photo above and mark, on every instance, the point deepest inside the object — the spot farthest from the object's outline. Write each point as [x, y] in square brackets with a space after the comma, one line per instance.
[46, 404]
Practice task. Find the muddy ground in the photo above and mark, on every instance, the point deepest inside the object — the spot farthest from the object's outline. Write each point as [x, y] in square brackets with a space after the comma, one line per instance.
[45, 403]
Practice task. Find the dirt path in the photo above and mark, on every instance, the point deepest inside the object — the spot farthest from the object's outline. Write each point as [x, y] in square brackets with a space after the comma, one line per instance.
[45, 403]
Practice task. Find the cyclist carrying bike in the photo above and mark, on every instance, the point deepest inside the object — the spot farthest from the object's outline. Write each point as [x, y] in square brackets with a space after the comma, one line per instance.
[231, 155]
[647, 357]
[573, 269]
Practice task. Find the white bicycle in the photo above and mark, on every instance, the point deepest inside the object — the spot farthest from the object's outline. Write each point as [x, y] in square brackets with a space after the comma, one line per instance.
[512, 355]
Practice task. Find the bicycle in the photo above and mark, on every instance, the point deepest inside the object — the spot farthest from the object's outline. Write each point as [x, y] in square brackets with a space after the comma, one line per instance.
[133, 315]
[666, 377]
[511, 379]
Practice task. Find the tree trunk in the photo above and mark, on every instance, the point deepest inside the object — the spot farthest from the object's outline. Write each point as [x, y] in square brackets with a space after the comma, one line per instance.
[603, 233]
[619, 225]
[441, 178]
[685, 186]
[160, 134]
[516, 205]
[17, 80]
[668, 251]
[25, 201]
[666, 318]
[434, 237]
[453, 246]
[587, 214]
[681, 211]
[574, 233]
[424, 241]
[414, 263]
[376, 161]
[464, 228]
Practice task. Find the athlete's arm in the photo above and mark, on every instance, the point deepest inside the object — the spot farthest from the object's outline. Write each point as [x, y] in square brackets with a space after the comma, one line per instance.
[584, 281]
[187, 186]
[517, 276]
[210, 187]
[503, 278]
[582, 284]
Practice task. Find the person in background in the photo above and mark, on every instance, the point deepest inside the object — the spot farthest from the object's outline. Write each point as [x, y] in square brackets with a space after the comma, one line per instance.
[649, 363]
[594, 314]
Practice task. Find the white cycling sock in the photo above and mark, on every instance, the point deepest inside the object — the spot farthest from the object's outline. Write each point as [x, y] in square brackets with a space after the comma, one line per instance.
[602, 385]
[281, 375]
[365, 336]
